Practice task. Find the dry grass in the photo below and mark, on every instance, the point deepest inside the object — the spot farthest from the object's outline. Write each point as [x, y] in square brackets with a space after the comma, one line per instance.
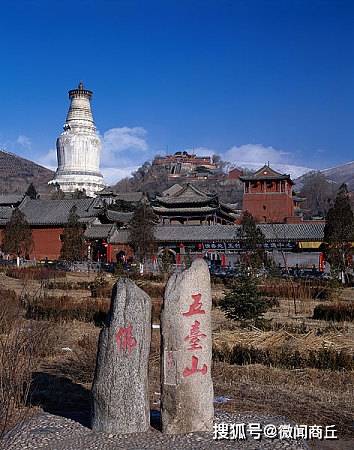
[65, 308]
[305, 289]
[267, 340]
[34, 273]
[304, 396]
[339, 312]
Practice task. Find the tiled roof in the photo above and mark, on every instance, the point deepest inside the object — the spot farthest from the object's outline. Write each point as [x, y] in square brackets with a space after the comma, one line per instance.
[225, 233]
[5, 214]
[171, 210]
[56, 212]
[187, 195]
[101, 231]
[265, 173]
[120, 237]
[133, 197]
[10, 199]
[172, 190]
[119, 216]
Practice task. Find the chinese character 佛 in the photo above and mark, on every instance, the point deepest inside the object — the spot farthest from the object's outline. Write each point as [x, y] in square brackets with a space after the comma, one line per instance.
[125, 339]
[194, 369]
[194, 336]
[196, 306]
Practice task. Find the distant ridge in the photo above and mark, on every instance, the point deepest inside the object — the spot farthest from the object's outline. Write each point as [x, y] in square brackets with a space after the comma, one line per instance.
[16, 173]
[341, 174]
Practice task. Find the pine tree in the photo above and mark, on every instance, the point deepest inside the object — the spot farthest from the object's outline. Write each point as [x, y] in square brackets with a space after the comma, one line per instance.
[339, 233]
[73, 247]
[243, 301]
[31, 192]
[58, 194]
[18, 235]
[79, 193]
[141, 232]
[252, 242]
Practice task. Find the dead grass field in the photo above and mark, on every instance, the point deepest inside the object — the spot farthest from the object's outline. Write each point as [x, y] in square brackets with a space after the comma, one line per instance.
[62, 377]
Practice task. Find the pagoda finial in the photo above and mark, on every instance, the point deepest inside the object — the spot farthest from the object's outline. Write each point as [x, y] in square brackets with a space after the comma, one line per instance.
[80, 91]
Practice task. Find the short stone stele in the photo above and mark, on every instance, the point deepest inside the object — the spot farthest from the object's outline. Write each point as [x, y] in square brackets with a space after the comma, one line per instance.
[120, 386]
[187, 387]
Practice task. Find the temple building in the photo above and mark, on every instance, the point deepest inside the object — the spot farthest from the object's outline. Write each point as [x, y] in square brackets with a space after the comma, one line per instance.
[188, 205]
[185, 165]
[268, 196]
[79, 148]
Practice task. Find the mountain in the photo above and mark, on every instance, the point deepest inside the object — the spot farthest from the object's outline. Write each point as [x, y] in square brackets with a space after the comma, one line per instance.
[17, 173]
[341, 174]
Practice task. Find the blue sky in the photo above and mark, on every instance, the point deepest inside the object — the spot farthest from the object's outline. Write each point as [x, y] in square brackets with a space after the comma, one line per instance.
[251, 80]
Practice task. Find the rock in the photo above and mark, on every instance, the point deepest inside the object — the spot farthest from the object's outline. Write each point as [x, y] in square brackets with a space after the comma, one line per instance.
[120, 386]
[187, 387]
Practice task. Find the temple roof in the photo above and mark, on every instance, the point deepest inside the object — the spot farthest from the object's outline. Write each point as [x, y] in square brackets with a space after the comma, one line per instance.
[10, 199]
[229, 233]
[265, 173]
[5, 214]
[100, 231]
[133, 197]
[184, 195]
[196, 210]
[56, 212]
[119, 216]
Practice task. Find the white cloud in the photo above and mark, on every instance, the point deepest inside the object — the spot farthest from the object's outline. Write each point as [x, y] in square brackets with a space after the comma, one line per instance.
[112, 175]
[201, 151]
[254, 156]
[24, 141]
[255, 153]
[49, 160]
[118, 140]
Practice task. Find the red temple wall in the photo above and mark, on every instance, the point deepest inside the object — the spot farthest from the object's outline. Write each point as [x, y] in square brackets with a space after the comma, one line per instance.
[269, 207]
[47, 243]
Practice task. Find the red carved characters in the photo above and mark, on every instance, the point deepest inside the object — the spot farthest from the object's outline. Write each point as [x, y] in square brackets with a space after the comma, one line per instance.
[187, 371]
[125, 340]
[195, 307]
[195, 336]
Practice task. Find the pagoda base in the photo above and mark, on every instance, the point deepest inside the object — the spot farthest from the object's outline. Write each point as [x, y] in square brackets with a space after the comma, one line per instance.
[69, 183]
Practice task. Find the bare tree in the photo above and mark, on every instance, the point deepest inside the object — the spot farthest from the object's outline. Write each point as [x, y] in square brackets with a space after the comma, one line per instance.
[319, 194]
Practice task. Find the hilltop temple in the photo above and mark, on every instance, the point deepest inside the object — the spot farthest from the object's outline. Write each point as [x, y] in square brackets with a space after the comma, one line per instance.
[79, 148]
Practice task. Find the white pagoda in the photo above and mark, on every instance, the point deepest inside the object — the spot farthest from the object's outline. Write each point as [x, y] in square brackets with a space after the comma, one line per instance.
[79, 148]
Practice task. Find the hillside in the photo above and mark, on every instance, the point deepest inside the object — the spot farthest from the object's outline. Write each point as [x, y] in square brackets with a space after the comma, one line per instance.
[153, 179]
[339, 174]
[17, 173]
[342, 174]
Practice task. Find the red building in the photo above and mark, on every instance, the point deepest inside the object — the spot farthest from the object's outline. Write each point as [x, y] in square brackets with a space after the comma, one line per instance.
[268, 196]
[234, 174]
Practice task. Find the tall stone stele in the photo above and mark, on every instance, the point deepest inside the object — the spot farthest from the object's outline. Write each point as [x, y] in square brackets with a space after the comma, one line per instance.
[120, 386]
[187, 388]
[79, 147]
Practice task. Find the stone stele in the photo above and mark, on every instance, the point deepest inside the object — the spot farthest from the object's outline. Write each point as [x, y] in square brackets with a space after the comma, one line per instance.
[120, 386]
[187, 388]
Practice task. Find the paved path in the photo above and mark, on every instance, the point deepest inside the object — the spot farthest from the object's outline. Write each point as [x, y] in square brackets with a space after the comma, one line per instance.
[46, 431]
